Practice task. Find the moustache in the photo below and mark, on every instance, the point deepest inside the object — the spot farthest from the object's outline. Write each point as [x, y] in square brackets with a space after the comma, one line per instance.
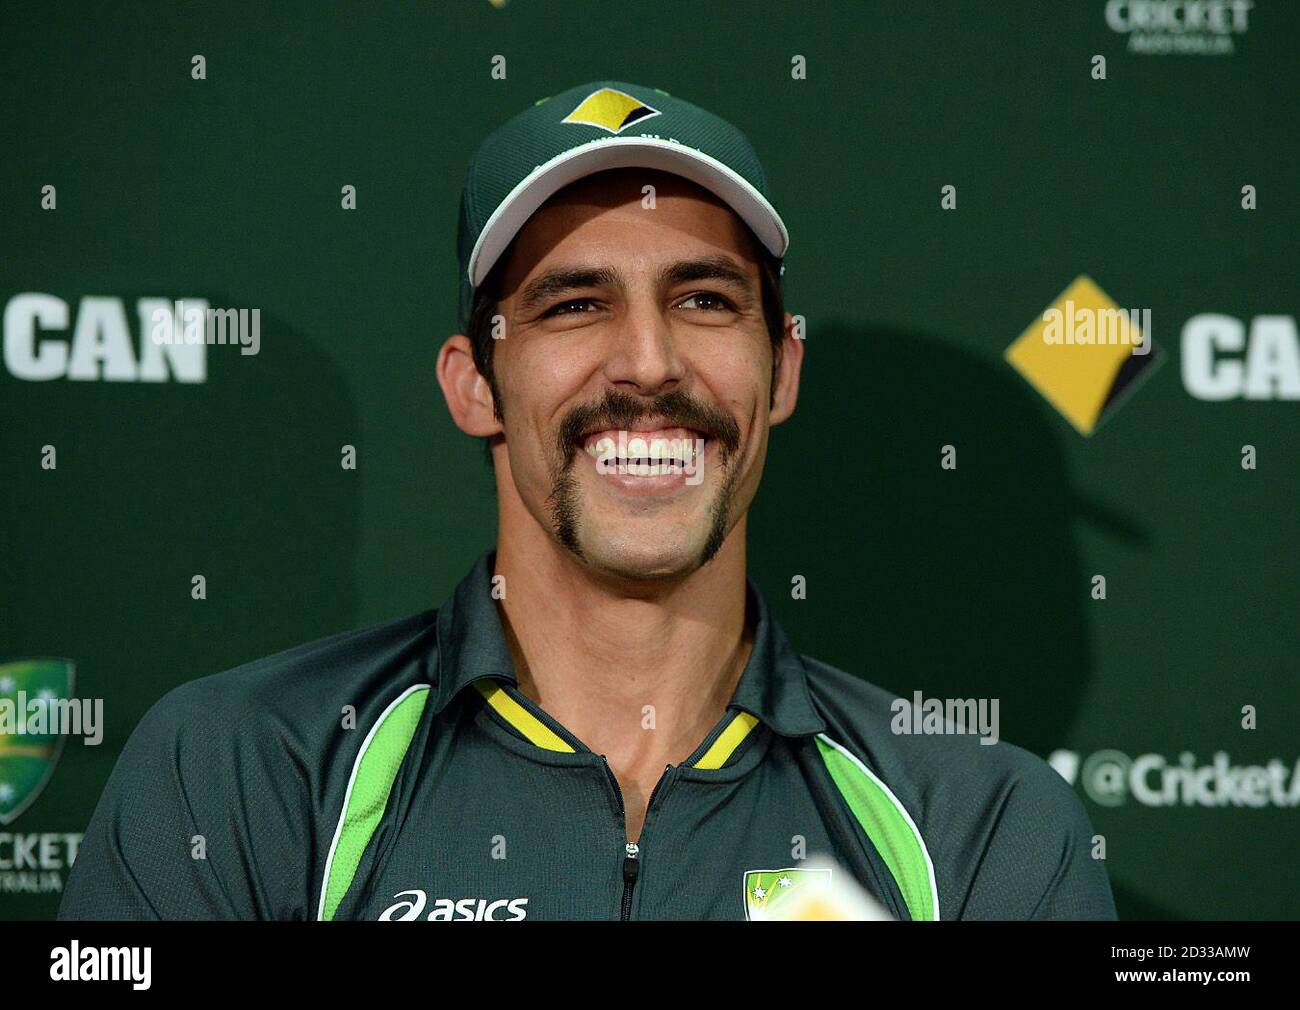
[618, 410]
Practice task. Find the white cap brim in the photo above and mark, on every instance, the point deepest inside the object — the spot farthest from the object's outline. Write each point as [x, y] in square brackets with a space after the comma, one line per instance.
[624, 152]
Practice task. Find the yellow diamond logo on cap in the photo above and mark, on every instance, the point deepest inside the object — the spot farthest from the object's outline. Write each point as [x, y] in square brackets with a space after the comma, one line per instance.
[1084, 354]
[610, 110]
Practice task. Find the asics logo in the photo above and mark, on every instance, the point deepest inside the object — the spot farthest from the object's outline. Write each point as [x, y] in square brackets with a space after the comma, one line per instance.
[410, 906]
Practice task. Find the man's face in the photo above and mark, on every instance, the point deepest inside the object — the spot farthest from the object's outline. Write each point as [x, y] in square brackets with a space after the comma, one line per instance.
[635, 377]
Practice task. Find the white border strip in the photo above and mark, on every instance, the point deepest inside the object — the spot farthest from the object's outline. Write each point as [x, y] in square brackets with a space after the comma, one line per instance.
[929, 864]
[347, 797]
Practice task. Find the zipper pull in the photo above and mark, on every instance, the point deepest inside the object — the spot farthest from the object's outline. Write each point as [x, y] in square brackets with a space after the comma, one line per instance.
[630, 866]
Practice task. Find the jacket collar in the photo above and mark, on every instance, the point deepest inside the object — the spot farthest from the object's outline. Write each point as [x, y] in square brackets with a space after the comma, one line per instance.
[472, 644]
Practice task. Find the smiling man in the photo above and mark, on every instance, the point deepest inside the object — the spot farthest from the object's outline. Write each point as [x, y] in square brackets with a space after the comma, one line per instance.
[604, 721]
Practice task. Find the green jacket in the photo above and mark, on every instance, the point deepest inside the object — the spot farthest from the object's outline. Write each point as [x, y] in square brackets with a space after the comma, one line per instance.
[450, 795]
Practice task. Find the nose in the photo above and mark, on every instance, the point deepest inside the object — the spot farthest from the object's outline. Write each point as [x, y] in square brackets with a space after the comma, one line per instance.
[643, 357]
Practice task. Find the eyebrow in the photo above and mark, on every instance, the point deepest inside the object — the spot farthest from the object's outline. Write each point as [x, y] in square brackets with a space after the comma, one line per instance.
[707, 268]
[556, 282]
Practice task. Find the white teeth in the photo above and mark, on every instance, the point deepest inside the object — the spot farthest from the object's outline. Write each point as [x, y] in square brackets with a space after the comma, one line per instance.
[644, 457]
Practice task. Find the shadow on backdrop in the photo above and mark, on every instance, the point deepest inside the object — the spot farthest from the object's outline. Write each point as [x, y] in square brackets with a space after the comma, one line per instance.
[963, 583]
[237, 479]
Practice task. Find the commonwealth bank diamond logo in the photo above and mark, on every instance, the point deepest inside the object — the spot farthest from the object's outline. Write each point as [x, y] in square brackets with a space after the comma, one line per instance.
[1085, 355]
[611, 110]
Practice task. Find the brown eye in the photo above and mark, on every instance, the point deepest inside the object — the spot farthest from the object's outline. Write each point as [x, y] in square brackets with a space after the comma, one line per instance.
[707, 301]
[571, 307]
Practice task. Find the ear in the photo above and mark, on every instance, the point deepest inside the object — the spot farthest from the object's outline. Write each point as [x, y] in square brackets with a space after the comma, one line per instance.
[468, 395]
[789, 362]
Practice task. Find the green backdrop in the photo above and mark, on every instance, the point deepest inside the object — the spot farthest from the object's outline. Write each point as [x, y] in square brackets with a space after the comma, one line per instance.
[959, 583]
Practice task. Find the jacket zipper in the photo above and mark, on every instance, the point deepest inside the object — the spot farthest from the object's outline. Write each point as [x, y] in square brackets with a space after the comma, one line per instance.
[631, 850]
[630, 868]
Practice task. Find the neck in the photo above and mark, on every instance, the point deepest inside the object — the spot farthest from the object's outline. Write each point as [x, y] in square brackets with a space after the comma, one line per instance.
[609, 659]
[639, 673]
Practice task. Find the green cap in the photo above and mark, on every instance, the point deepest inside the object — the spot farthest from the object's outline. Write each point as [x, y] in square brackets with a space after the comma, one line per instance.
[588, 129]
